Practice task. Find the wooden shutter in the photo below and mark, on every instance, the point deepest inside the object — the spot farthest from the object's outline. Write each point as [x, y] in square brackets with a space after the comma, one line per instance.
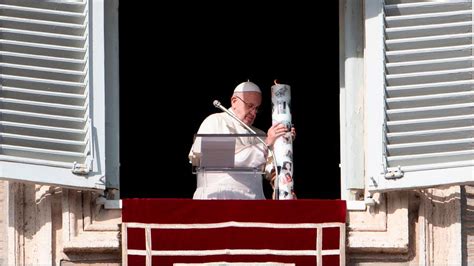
[424, 92]
[45, 76]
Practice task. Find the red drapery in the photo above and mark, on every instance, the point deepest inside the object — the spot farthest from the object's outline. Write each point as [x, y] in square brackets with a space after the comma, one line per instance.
[168, 231]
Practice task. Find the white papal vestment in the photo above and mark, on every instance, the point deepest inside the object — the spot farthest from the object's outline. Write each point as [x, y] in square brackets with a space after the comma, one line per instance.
[249, 153]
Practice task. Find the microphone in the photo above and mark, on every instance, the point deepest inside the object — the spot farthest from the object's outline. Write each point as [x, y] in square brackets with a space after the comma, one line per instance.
[219, 105]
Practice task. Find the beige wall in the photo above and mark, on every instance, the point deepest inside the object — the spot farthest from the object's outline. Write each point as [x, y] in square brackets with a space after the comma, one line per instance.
[57, 226]
[3, 223]
[418, 227]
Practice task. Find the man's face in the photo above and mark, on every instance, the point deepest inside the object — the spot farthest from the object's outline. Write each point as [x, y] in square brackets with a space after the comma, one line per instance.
[245, 106]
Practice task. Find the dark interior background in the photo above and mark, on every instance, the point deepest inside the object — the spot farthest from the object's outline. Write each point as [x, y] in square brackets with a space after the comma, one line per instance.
[175, 59]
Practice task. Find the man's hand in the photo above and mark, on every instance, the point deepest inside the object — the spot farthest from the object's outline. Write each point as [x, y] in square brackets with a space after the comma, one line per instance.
[272, 178]
[274, 132]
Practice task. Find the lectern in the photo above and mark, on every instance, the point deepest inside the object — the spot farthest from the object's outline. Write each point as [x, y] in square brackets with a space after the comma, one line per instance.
[216, 153]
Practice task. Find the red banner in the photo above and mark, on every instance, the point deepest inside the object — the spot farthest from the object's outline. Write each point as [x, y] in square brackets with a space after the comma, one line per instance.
[173, 231]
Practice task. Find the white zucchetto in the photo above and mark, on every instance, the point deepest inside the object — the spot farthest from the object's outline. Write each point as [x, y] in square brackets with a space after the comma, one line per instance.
[247, 86]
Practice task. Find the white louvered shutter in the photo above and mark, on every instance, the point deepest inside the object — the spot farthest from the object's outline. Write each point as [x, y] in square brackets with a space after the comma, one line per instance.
[45, 77]
[420, 91]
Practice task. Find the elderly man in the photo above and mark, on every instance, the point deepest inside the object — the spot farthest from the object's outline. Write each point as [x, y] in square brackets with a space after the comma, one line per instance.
[245, 102]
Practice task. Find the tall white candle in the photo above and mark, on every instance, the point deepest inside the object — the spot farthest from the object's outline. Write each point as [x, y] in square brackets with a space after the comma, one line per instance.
[283, 147]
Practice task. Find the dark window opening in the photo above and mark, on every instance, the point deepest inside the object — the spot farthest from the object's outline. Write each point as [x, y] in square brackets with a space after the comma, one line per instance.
[172, 68]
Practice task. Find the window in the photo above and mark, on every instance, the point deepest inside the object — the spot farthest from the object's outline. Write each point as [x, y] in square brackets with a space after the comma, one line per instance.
[419, 96]
[54, 96]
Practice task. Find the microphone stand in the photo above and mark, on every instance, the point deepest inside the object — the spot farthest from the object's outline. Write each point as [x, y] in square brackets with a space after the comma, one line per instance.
[276, 188]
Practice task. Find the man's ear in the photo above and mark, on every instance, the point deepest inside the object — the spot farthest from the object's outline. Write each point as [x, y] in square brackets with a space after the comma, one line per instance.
[233, 99]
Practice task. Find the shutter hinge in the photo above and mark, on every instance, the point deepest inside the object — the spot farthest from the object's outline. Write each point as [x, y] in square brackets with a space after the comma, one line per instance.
[82, 168]
[394, 173]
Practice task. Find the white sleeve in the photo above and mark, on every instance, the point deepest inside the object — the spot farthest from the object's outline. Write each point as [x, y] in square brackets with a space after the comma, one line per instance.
[250, 156]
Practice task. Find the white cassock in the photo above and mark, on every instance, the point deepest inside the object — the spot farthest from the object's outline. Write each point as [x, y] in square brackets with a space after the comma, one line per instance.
[249, 153]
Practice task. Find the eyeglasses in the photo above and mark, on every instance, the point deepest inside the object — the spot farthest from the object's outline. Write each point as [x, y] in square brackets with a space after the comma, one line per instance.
[250, 106]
